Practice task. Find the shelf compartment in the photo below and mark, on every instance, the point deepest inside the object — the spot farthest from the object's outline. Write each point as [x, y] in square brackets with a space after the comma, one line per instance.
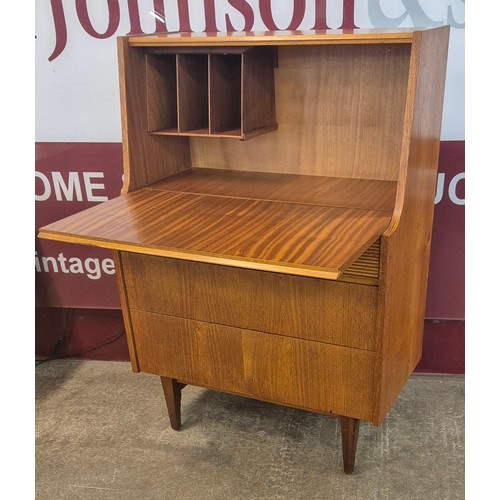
[192, 92]
[225, 94]
[161, 93]
[220, 93]
[257, 88]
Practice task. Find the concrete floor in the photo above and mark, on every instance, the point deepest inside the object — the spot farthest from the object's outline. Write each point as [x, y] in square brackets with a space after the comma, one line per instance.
[102, 433]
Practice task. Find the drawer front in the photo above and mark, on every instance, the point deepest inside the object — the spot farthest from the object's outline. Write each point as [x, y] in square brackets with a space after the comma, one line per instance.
[307, 308]
[286, 370]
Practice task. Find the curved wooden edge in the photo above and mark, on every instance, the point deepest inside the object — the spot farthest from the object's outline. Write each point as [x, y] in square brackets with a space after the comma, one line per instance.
[122, 44]
[407, 134]
[413, 83]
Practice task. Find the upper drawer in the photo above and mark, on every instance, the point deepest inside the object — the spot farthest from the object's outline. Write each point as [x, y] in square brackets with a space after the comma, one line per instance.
[307, 308]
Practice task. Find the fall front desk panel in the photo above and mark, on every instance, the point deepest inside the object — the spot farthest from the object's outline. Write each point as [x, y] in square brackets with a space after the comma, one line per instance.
[191, 251]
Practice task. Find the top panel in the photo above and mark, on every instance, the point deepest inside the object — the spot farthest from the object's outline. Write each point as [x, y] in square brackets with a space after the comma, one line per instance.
[252, 38]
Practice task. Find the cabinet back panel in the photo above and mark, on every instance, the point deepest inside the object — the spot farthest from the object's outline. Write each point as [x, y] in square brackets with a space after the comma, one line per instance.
[340, 112]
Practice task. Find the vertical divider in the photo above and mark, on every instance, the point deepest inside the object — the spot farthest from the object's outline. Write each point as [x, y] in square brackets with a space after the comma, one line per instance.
[242, 96]
[178, 91]
[210, 91]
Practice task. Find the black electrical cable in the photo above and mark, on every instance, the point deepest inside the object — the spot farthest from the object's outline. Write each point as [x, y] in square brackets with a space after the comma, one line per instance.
[52, 358]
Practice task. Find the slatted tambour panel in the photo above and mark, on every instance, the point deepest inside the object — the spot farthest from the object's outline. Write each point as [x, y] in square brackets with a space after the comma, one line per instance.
[366, 268]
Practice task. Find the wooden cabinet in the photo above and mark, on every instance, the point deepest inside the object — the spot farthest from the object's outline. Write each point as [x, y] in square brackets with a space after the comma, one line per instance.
[289, 265]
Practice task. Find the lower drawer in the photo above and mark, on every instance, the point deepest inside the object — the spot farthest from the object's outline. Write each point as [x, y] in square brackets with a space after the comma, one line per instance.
[308, 374]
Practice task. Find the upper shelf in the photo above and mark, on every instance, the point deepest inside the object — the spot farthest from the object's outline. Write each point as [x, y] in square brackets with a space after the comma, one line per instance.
[305, 37]
[302, 225]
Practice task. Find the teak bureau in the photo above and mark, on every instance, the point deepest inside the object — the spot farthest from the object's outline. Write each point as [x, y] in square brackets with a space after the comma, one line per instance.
[272, 236]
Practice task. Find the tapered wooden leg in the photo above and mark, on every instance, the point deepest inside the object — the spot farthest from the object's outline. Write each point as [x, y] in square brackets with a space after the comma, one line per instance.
[172, 391]
[350, 428]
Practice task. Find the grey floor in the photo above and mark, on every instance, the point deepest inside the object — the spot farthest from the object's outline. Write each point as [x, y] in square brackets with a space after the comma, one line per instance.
[102, 433]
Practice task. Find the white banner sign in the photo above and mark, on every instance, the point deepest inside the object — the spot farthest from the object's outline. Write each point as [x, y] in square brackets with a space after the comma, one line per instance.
[77, 97]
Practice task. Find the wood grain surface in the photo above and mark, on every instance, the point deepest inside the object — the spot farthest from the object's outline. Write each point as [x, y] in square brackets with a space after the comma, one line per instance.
[122, 290]
[405, 249]
[258, 103]
[308, 308]
[340, 112]
[303, 189]
[161, 97]
[224, 86]
[310, 240]
[309, 374]
[192, 91]
[366, 269]
[343, 188]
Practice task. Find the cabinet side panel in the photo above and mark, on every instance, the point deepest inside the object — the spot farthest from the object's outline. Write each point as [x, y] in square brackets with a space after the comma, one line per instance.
[405, 253]
[146, 158]
[126, 311]
[312, 375]
[340, 112]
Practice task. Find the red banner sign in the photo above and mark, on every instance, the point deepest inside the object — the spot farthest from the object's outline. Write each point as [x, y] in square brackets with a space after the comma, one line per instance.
[71, 177]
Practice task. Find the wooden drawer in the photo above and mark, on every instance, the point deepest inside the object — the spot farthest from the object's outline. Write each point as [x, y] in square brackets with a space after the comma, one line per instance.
[275, 368]
[307, 308]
